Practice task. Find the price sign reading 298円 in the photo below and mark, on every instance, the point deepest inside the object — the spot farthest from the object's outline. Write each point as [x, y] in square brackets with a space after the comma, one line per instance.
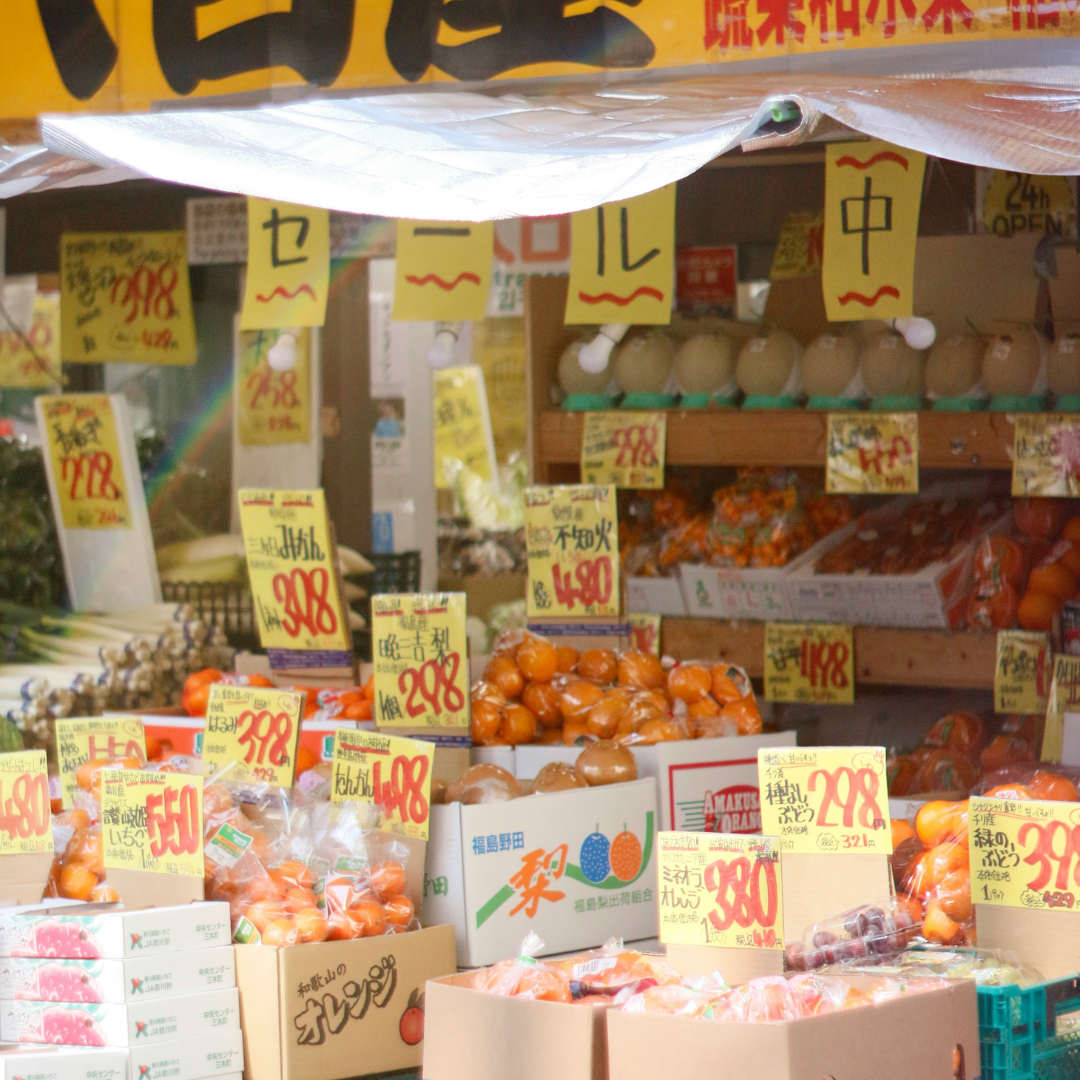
[421, 660]
[826, 799]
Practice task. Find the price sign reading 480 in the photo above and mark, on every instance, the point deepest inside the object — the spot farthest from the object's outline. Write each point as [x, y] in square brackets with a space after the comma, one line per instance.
[826, 799]
[25, 820]
[256, 727]
[572, 536]
[421, 661]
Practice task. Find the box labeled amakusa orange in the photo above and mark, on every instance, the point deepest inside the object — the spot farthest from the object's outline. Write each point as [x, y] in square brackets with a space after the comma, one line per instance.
[338, 1008]
[929, 1035]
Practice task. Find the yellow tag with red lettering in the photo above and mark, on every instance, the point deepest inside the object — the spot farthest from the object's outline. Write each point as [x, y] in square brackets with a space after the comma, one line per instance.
[826, 798]
[25, 818]
[1021, 675]
[1024, 854]
[719, 889]
[21, 367]
[873, 452]
[809, 663]
[95, 738]
[152, 821]
[391, 772]
[273, 407]
[645, 630]
[255, 727]
[624, 448]
[798, 250]
[1044, 454]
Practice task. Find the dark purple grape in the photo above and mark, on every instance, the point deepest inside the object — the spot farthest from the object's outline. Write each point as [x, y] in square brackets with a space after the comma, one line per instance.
[814, 959]
[794, 959]
[857, 950]
[823, 938]
[855, 924]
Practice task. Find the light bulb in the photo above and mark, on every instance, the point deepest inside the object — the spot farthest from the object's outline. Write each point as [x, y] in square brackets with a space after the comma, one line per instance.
[594, 356]
[918, 332]
[282, 354]
[441, 353]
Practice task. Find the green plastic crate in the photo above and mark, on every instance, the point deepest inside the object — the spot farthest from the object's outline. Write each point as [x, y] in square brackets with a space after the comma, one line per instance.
[1017, 1031]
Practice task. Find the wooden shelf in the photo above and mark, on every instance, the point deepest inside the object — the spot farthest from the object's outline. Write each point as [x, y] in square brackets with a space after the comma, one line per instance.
[961, 659]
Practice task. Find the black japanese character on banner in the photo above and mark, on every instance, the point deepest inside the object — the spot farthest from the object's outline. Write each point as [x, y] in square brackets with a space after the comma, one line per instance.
[84, 52]
[313, 39]
[529, 32]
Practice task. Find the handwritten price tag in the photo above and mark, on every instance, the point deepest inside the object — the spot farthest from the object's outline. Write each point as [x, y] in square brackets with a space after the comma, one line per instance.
[1021, 676]
[572, 536]
[873, 452]
[624, 448]
[799, 248]
[645, 630]
[421, 660]
[1046, 452]
[293, 579]
[25, 818]
[152, 821]
[1064, 697]
[79, 740]
[19, 367]
[255, 727]
[720, 890]
[392, 773]
[810, 663]
[273, 407]
[830, 798]
[462, 423]
[1025, 854]
[84, 452]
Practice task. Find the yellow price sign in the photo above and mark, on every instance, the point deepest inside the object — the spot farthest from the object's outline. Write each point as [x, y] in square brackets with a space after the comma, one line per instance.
[572, 539]
[273, 407]
[293, 577]
[873, 192]
[84, 452]
[1024, 854]
[25, 807]
[810, 663]
[462, 424]
[1020, 203]
[126, 296]
[255, 727]
[392, 773]
[1021, 674]
[871, 453]
[420, 651]
[95, 738]
[624, 448]
[19, 366]
[798, 251]
[443, 270]
[1064, 697]
[722, 890]
[645, 630]
[826, 799]
[1044, 458]
[152, 821]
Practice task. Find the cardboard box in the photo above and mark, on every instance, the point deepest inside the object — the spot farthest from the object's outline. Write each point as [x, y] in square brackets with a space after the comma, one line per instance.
[655, 595]
[113, 1024]
[1047, 940]
[819, 885]
[220, 1054]
[585, 632]
[500, 870]
[160, 975]
[736, 965]
[21, 1062]
[912, 1036]
[107, 933]
[755, 593]
[338, 1008]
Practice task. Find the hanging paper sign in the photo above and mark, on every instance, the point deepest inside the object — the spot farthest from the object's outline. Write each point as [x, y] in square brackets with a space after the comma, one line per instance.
[622, 261]
[1046, 454]
[98, 738]
[126, 297]
[721, 890]
[257, 728]
[526, 247]
[645, 630]
[826, 799]
[392, 773]
[152, 821]
[799, 249]
[809, 663]
[1021, 674]
[462, 424]
[870, 453]
[273, 407]
[572, 540]
[1024, 854]
[624, 448]
[293, 577]
[21, 367]
[1020, 203]
[1064, 697]
[873, 193]
[420, 651]
[25, 817]
[288, 266]
[443, 270]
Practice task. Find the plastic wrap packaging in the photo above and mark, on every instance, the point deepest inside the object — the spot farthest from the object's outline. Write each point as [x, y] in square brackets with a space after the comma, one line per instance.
[988, 967]
[882, 929]
[525, 977]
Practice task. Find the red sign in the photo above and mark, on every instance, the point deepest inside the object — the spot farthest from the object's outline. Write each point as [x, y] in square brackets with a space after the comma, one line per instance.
[706, 277]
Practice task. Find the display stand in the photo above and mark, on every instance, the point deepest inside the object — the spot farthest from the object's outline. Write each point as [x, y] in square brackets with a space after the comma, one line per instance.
[819, 886]
[736, 965]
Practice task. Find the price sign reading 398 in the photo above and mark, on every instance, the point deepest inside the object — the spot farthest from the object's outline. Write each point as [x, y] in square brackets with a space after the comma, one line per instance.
[256, 727]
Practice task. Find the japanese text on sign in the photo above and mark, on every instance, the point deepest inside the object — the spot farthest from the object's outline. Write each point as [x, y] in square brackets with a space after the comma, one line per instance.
[443, 270]
[125, 296]
[809, 663]
[645, 630]
[293, 578]
[152, 821]
[273, 407]
[25, 819]
[255, 727]
[873, 452]
[826, 799]
[79, 740]
[720, 890]
[19, 367]
[1064, 697]
[1025, 854]
[624, 448]
[1046, 454]
[462, 424]
[572, 537]
[419, 648]
[84, 451]
[392, 773]
[798, 251]
[1021, 675]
